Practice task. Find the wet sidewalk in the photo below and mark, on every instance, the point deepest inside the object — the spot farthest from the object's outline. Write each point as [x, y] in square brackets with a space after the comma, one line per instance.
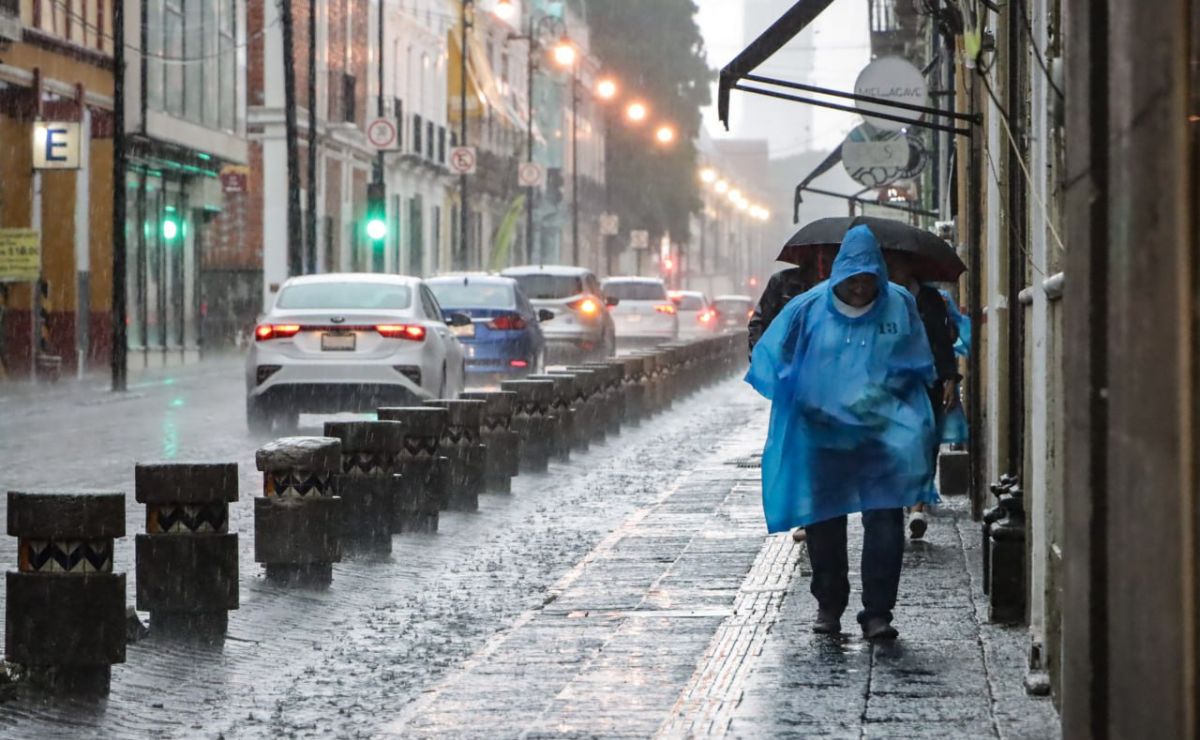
[686, 621]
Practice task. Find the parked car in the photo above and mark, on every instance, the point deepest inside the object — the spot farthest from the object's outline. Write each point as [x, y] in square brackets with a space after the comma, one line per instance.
[697, 318]
[505, 336]
[733, 311]
[644, 313]
[350, 342]
[582, 327]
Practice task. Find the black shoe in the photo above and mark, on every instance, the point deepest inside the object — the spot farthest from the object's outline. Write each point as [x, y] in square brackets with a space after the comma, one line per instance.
[828, 623]
[917, 524]
[878, 628]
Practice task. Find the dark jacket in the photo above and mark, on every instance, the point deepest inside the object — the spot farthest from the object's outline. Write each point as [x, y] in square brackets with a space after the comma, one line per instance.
[781, 288]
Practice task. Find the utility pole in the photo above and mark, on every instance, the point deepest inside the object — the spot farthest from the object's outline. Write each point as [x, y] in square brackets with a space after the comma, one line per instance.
[119, 341]
[379, 156]
[464, 210]
[575, 164]
[529, 70]
[310, 211]
[294, 237]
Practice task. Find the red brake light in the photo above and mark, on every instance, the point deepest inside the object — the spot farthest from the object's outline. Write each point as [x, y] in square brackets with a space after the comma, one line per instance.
[507, 322]
[263, 332]
[518, 363]
[665, 308]
[587, 306]
[401, 331]
[706, 316]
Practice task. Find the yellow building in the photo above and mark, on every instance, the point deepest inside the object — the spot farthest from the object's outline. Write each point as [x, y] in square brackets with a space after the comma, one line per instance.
[56, 65]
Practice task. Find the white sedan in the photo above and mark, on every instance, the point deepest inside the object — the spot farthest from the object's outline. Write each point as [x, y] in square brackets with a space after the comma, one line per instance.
[349, 342]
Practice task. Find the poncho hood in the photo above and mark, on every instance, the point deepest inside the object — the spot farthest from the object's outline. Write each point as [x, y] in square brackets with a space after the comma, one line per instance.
[860, 254]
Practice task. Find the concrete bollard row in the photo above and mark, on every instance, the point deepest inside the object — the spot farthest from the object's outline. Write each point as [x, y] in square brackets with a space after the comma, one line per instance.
[298, 519]
[533, 421]
[594, 426]
[187, 561]
[567, 426]
[424, 484]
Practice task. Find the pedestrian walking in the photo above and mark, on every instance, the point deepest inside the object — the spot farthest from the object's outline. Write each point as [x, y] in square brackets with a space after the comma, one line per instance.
[941, 330]
[848, 369]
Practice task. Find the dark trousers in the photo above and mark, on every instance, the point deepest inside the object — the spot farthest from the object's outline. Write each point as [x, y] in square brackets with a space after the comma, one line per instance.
[882, 556]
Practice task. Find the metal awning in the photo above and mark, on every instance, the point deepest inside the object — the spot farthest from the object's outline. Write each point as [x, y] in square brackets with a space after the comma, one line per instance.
[775, 38]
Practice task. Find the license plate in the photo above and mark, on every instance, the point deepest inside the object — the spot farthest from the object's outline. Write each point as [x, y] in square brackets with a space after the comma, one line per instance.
[633, 318]
[338, 342]
[463, 331]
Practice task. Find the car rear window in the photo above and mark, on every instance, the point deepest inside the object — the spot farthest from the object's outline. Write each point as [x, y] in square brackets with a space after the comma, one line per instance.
[635, 291]
[345, 295]
[473, 295]
[689, 303]
[549, 287]
[731, 307]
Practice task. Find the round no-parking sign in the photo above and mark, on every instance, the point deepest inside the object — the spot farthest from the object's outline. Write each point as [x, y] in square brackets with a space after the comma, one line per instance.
[381, 133]
[462, 160]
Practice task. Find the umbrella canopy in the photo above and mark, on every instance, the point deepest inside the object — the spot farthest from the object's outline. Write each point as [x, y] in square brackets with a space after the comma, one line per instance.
[935, 260]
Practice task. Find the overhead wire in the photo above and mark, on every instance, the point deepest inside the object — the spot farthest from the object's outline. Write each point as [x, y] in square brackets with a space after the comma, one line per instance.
[1037, 53]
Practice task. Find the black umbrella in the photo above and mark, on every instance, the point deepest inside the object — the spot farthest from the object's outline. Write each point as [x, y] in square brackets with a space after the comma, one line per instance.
[934, 259]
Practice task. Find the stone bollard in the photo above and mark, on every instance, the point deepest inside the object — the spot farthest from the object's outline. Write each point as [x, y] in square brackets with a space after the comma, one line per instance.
[590, 397]
[187, 562]
[502, 443]
[65, 609]
[570, 418]
[533, 421]
[612, 396]
[654, 383]
[367, 483]
[298, 519]
[634, 390]
[462, 445]
[1006, 577]
[424, 472]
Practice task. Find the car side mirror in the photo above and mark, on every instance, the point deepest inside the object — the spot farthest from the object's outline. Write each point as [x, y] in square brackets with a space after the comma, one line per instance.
[611, 301]
[458, 319]
[545, 314]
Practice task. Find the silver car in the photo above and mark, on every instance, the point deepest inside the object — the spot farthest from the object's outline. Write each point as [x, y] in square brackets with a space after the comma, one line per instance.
[644, 314]
[697, 318]
[349, 342]
[582, 327]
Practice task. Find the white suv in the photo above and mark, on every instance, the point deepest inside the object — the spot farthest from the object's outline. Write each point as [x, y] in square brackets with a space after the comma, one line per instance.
[643, 314]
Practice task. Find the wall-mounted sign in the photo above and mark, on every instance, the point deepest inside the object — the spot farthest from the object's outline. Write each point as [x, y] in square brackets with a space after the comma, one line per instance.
[462, 160]
[610, 224]
[381, 132]
[234, 178]
[56, 145]
[20, 258]
[639, 239]
[875, 158]
[895, 80]
[531, 175]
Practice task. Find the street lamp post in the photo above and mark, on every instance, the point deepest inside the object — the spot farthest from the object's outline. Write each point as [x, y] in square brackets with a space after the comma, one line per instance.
[575, 164]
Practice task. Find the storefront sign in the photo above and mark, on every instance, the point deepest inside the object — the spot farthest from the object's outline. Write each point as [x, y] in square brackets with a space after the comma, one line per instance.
[234, 178]
[20, 259]
[55, 145]
[895, 80]
[875, 158]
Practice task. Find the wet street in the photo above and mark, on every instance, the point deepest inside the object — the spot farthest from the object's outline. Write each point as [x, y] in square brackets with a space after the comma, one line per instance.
[631, 592]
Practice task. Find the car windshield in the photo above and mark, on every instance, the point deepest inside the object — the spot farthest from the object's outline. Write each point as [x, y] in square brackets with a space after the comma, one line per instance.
[456, 294]
[635, 291]
[347, 295]
[732, 306]
[549, 287]
[689, 303]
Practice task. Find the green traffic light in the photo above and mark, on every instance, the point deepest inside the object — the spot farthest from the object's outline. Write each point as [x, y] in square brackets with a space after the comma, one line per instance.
[376, 229]
[170, 229]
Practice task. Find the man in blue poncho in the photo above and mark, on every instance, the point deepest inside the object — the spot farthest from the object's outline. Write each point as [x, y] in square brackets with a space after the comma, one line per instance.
[847, 367]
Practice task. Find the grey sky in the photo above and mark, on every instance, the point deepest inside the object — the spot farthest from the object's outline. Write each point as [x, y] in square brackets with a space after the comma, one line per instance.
[830, 53]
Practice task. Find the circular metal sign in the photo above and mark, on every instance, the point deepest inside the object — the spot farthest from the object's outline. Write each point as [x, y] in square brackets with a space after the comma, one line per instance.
[875, 158]
[382, 133]
[895, 80]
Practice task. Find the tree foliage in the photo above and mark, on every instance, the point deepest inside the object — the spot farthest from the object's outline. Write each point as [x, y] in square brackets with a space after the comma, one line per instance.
[654, 48]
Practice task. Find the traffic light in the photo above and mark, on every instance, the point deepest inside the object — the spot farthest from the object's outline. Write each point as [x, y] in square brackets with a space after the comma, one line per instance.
[554, 184]
[170, 227]
[376, 213]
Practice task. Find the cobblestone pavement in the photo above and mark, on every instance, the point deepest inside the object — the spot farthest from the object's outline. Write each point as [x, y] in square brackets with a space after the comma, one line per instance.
[686, 621]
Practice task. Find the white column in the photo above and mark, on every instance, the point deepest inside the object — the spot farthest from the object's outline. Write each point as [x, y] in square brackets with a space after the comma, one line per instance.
[993, 295]
[35, 295]
[274, 159]
[83, 241]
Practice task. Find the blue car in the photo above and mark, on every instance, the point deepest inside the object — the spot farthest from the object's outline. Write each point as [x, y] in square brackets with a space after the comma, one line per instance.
[504, 338]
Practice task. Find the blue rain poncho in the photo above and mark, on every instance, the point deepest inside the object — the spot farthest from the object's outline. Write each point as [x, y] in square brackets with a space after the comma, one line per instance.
[954, 422]
[851, 423]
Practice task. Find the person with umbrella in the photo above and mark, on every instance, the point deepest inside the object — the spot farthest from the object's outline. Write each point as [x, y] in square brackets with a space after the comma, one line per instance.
[848, 367]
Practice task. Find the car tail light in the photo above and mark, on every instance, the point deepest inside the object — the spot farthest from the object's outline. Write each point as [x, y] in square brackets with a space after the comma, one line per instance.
[665, 308]
[402, 331]
[264, 332]
[706, 316]
[507, 322]
[519, 364]
[587, 306]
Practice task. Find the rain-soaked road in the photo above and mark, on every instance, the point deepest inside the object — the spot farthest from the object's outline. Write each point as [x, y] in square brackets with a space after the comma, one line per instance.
[344, 661]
